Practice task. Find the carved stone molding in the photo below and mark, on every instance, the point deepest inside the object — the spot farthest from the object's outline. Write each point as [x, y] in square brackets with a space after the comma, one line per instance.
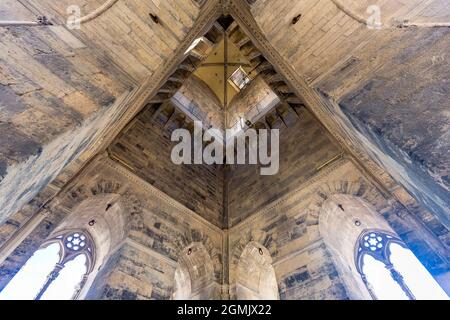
[320, 176]
[140, 247]
[209, 13]
[319, 106]
[187, 213]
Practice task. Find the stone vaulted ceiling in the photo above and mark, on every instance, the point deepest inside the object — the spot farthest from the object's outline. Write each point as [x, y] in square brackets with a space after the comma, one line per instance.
[382, 95]
[212, 72]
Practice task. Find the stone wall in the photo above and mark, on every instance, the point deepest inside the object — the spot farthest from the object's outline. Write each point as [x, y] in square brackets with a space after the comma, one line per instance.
[146, 148]
[144, 267]
[256, 99]
[304, 147]
[289, 229]
[404, 112]
[58, 86]
[390, 82]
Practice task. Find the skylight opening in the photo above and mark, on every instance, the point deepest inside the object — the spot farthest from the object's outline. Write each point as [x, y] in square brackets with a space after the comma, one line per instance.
[239, 79]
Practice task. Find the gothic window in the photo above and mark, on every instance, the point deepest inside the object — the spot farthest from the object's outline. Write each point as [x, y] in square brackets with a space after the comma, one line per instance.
[391, 271]
[57, 271]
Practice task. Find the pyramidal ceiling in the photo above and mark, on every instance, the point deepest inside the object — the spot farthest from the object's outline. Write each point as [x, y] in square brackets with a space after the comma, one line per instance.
[225, 82]
[259, 99]
[223, 33]
[284, 92]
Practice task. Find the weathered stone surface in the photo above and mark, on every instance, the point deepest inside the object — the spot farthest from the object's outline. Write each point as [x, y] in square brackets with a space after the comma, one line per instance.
[146, 147]
[304, 147]
[163, 231]
[391, 82]
[58, 87]
[250, 102]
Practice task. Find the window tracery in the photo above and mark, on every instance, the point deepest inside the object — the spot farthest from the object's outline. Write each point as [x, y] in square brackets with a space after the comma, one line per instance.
[74, 254]
[380, 260]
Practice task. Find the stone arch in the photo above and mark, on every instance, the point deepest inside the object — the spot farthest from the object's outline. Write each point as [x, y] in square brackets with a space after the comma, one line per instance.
[336, 196]
[194, 276]
[133, 207]
[104, 216]
[359, 188]
[108, 213]
[63, 213]
[81, 192]
[256, 236]
[207, 108]
[398, 216]
[255, 277]
[129, 203]
[198, 236]
[343, 218]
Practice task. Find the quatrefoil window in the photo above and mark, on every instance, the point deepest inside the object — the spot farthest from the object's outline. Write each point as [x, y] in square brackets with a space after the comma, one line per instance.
[76, 241]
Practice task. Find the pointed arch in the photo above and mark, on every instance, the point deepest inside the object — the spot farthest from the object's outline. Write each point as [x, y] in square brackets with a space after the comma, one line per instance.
[260, 239]
[255, 275]
[198, 236]
[357, 236]
[194, 276]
